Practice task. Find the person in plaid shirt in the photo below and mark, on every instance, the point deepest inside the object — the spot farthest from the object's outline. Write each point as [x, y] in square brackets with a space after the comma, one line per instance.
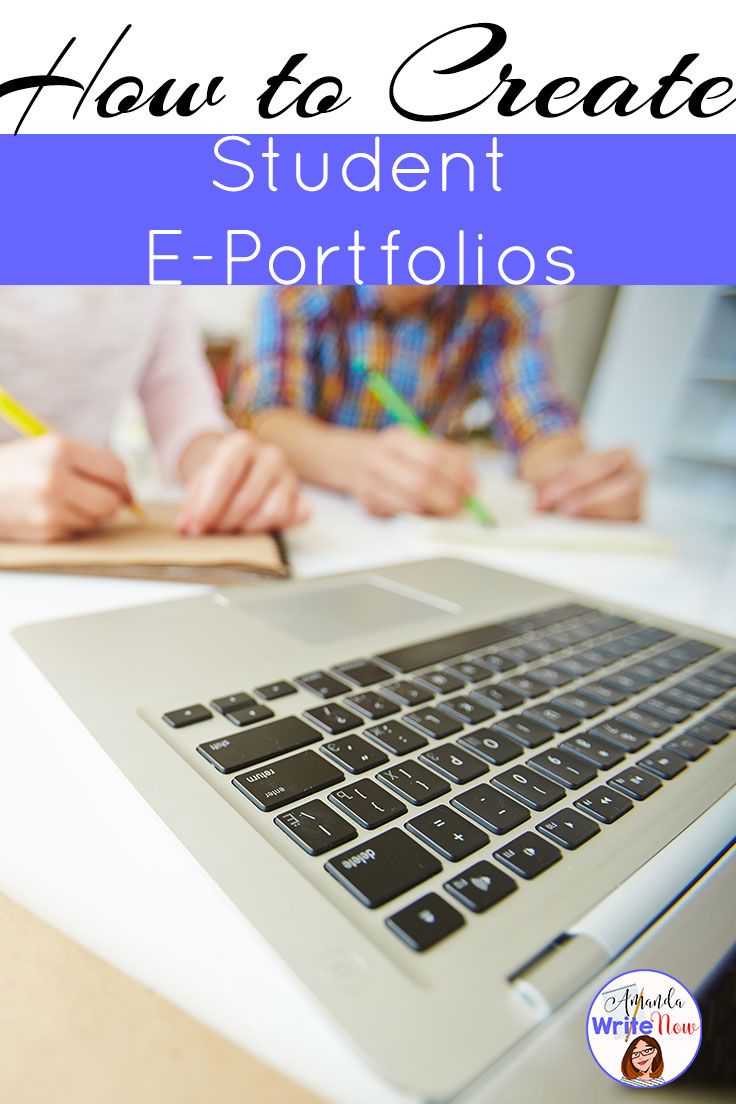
[299, 386]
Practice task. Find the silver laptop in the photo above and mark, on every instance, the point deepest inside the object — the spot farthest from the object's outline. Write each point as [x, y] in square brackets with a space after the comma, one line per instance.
[448, 797]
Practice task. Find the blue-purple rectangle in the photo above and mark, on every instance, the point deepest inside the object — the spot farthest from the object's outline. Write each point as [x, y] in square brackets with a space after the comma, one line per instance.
[635, 209]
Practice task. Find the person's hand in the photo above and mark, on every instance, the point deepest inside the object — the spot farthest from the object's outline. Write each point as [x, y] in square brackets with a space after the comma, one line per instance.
[53, 488]
[595, 485]
[400, 472]
[240, 485]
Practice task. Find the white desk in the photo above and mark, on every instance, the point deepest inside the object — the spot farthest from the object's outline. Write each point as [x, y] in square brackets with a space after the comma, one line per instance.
[80, 848]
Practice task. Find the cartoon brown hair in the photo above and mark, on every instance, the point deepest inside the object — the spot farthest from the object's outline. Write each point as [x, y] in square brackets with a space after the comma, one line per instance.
[629, 1070]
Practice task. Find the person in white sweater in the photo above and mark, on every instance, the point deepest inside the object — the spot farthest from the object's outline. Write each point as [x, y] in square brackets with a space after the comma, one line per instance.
[71, 355]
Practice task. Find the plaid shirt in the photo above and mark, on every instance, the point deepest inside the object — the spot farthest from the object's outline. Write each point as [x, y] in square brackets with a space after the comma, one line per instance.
[466, 342]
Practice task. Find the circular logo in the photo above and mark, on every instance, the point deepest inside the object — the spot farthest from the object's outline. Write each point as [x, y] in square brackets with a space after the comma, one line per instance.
[644, 1028]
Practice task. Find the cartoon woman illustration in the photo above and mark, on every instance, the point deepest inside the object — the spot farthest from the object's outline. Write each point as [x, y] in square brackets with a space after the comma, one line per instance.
[642, 1064]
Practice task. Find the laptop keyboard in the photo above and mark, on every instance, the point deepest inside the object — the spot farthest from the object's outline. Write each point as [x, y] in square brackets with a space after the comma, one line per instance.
[438, 753]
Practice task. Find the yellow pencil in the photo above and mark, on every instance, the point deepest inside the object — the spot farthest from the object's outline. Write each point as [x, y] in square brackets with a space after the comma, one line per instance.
[17, 416]
[636, 1012]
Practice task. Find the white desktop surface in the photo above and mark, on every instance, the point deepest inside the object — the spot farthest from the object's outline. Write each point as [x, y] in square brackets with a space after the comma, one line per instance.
[84, 851]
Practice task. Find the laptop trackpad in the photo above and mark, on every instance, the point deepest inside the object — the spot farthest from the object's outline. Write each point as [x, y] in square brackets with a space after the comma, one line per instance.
[338, 612]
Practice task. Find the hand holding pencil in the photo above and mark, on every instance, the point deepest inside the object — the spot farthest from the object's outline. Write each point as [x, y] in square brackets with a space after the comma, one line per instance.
[53, 487]
[410, 471]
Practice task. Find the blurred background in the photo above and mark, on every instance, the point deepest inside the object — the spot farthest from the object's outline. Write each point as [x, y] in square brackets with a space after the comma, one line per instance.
[653, 367]
[649, 367]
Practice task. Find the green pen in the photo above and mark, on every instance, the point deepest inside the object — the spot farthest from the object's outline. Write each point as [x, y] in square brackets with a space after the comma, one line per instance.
[401, 412]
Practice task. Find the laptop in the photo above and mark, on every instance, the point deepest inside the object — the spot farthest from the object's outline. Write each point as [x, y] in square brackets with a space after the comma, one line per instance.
[449, 797]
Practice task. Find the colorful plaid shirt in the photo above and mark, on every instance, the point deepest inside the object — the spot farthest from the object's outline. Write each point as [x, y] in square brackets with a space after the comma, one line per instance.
[465, 343]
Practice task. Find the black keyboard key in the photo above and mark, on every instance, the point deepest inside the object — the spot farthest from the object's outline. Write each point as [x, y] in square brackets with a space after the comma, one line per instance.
[578, 666]
[355, 754]
[408, 693]
[491, 809]
[471, 710]
[687, 699]
[334, 718]
[244, 749]
[621, 735]
[563, 767]
[665, 763]
[666, 664]
[528, 686]
[316, 827]
[577, 701]
[372, 705]
[551, 643]
[232, 702]
[273, 690]
[412, 780]
[472, 670]
[664, 710]
[367, 803]
[716, 676]
[491, 745]
[525, 729]
[647, 672]
[455, 763]
[434, 722]
[498, 662]
[627, 683]
[709, 730]
[431, 652]
[646, 722]
[191, 714]
[604, 804]
[363, 672]
[693, 650]
[526, 653]
[379, 869]
[687, 745]
[275, 784]
[446, 832]
[440, 682]
[568, 829]
[528, 855]
[249, 715]
[322, 684]
[618, 649]
[395, 737]
[726, 716]
[593, 750]
[424, 923]
[553, 676]
[635, 783]
[555, 717]
[649, 636]
[529, 786]
[702, 686]
[480, 886]
[608, 695]
[499, 696]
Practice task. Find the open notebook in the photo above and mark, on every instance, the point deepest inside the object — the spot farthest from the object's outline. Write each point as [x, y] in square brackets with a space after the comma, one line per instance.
[151, 549]
[520, 525]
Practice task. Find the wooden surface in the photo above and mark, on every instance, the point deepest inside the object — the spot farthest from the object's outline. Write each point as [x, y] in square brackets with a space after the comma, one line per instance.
[73, 1030]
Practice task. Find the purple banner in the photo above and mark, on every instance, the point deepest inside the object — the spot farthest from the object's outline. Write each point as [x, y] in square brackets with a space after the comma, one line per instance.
[608, 209]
